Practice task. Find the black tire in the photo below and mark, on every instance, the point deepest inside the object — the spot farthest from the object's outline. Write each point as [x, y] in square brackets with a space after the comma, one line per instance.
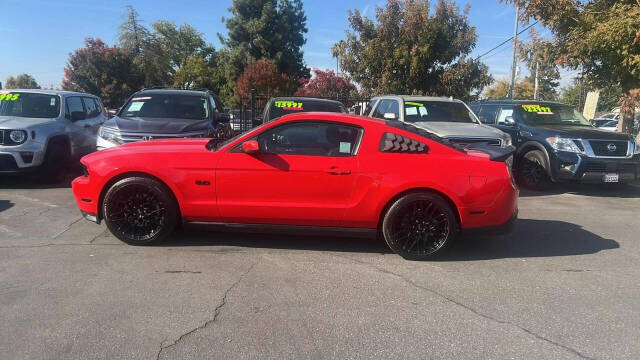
[419, 226]
[140, 210]
[56, 163]
[532, 172]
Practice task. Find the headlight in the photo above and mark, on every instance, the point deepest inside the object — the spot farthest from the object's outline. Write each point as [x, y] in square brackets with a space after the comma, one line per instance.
[507, 141]
[563, 144]
[18, 136]
[109, 135]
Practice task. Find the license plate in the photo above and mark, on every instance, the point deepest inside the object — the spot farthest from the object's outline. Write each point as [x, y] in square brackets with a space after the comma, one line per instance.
[611, 178]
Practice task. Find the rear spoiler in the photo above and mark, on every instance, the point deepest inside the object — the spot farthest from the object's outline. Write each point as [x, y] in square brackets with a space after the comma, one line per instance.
[495, 153]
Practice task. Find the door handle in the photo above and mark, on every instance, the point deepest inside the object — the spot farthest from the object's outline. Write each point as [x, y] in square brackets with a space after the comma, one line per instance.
[334, 170]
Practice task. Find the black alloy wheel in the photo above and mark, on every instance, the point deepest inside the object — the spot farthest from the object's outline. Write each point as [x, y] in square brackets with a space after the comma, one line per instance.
[418, 226]
[139, 211]
[532, 172]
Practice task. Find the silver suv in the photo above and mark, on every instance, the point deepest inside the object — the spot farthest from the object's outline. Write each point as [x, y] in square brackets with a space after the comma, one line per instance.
[448, 118]
[45, 129]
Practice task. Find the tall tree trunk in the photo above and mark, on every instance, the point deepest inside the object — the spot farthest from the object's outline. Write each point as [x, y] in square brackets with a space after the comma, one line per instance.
[628, 104]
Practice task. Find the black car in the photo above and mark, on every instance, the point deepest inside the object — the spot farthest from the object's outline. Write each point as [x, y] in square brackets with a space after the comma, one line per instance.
[280, 106]
[556, 143]
[165, 113]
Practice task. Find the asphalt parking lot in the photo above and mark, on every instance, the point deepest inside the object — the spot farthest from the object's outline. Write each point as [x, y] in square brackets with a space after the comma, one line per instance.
[564, 285]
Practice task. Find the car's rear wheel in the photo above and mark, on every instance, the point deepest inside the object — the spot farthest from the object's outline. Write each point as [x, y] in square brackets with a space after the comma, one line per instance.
[420, 225]
[139, 210]
[532, 172]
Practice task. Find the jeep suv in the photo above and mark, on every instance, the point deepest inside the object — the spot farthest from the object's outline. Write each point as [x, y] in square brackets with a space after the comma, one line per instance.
[448, 118]
[556, 143]
[45, 129]
[165, 113]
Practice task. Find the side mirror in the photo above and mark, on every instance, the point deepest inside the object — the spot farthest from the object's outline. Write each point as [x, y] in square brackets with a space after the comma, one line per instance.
[250, 147]
[77, 115]
[223, 117]
[390, 116]
[509, 121]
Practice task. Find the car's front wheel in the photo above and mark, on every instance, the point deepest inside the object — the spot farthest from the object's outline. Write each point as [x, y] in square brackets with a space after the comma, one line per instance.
[139, 210]
[420, 225]
[532, 174]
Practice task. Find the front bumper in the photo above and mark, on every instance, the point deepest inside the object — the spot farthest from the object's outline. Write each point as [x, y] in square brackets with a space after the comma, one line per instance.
[86, 198]
[575, 167]
[23, 158]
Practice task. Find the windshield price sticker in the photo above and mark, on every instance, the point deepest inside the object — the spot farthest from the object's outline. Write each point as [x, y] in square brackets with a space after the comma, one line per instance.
[414, 103]
[289, 105]
[543, 110]
[9, 97]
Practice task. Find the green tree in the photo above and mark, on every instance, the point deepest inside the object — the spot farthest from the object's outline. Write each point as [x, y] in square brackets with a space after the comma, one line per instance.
[500, 90]
[132, 34]
[602, 37]
[572, 95]
[273, 30]
[410, 49]
[22, 81]
[101, 70]
[198, 72]
[540, 52]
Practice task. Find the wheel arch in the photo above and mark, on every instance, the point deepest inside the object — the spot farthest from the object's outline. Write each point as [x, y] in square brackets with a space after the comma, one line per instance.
[128, 174]
[533, 145]
[413, 190]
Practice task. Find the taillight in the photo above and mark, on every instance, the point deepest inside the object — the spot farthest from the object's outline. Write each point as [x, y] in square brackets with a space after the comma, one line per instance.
[509, 164]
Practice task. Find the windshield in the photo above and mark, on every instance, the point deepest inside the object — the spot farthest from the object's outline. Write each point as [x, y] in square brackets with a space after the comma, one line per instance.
[29, 105]
[613, 123]
[281, 108]
[442, 111]
[552, 114]
[165, 106]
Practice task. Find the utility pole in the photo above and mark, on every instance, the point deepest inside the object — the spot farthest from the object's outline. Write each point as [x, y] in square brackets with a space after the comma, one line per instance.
[535, 88]
[512, 89]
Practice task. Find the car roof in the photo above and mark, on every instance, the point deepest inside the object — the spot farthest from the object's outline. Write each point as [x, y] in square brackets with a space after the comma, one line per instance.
[172, 92]
[306, 99]
[331, 116]
[48, 92]
[509, 101]
[418, 98]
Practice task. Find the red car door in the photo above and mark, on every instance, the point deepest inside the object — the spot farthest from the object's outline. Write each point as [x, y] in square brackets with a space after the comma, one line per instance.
[303, 174]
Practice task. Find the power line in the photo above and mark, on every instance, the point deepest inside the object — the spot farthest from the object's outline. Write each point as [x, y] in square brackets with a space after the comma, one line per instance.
[506, 41]
[501, 51]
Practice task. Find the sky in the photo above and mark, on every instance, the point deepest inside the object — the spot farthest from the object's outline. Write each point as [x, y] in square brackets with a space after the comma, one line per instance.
[38, 35]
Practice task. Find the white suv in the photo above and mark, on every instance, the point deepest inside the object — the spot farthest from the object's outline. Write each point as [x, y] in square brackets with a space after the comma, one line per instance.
[46, 129]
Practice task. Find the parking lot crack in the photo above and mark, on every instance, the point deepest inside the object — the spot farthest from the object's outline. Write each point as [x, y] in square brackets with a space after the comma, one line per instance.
[55, 236]
[469, 308]
[216, 312]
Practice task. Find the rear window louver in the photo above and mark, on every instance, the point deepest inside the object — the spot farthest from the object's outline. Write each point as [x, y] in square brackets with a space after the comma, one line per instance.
[395, 143]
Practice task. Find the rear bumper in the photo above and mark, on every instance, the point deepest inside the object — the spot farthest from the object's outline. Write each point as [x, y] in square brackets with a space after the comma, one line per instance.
[494, 218]
[501, 229]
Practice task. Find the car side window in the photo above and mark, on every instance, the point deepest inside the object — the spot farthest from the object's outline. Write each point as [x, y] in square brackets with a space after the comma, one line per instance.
[311, 139]
[74, 104]
[487, 114]
[90, 106]
[367, 110]
[394, 108]
[382, 107]
[99, 106]
[504, 112]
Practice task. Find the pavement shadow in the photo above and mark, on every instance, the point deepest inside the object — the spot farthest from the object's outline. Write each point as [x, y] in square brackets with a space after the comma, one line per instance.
[594, 190]
[5, 204]
[209, 236]
[532, 238]
[35, 181]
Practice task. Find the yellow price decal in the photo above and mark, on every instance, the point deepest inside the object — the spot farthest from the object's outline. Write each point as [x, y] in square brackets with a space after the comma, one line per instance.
[289, 105]
[413, 103]
[537, 109]
[9, 97]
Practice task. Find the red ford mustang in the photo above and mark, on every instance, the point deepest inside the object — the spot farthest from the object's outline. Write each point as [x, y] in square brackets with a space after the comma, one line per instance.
[309, 170]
